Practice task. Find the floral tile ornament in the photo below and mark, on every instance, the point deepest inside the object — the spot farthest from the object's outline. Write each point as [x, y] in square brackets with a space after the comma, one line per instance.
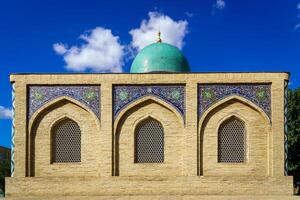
[171, 94]
[87, 95]
[259, 94]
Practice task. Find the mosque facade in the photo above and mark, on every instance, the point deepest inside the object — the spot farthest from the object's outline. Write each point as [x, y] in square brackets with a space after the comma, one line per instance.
[158, 130]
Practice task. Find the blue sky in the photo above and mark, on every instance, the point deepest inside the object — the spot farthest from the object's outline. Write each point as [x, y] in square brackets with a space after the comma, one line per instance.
[215, 35]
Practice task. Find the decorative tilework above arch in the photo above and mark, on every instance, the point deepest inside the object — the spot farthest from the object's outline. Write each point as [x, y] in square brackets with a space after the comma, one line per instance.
[40, 95]
[259, 94]
[171, 94]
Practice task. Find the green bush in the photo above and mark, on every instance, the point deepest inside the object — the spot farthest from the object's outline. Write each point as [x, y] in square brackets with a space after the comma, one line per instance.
[294, 136]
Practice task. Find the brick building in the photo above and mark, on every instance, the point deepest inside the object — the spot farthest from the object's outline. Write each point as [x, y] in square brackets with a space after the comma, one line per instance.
[159, 130]
[4, 167]
[5, 161]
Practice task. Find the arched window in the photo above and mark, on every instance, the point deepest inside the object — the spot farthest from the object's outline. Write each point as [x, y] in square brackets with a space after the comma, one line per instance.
[66, 142]
[149, 142]
[232, 141]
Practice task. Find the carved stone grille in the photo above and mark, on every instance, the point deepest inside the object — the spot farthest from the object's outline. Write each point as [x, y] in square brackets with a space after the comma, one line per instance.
[149, 142]
[66, 142]
[232, 141]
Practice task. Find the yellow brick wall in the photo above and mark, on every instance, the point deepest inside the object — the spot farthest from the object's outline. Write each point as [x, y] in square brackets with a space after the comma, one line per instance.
[173, 141]
[257, 131]
[183, 155]
[90, 136]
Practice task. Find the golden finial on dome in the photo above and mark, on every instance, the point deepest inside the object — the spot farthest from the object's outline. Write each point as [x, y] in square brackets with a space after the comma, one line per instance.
[159, 39]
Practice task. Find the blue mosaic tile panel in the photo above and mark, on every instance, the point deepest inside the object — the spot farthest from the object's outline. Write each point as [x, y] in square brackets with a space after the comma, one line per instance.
[259, 94]
[171, 94]
[40, 95]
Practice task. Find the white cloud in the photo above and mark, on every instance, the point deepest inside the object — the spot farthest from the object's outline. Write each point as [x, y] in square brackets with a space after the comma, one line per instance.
[100, 52]
[298, 25]
[172, 32]
[217, 6]
[5, 113]
[189, 14]
[220, 4]
[59, 48]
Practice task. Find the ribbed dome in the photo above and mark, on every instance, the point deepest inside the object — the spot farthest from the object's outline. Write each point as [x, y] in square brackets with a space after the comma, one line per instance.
[159, 57]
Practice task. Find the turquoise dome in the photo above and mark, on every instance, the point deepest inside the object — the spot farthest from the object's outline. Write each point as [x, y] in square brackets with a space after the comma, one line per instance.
[159, 57]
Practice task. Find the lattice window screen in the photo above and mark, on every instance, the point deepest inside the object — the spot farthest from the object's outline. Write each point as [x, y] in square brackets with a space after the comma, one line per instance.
[66, 143]
[232, 141]
[149, 142]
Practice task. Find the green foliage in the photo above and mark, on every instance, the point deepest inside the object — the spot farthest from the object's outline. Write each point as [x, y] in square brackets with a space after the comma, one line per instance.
[294, 134]
[2, 174]
[5, 171]
[2, 187]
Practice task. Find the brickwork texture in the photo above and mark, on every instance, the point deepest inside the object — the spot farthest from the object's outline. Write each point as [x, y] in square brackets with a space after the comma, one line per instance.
[190, 164]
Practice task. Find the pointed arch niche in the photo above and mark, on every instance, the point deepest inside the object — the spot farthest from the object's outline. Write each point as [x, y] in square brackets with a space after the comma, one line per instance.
[125, 127]
[257, 132]
[44, 120]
